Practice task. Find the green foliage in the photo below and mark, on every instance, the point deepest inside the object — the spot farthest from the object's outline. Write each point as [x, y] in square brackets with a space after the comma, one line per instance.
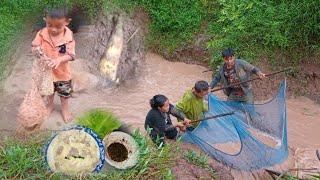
[253, 28]
[47, 4]
[127, 6]
[316, 176]
[22, 159]
[257, 27]
[174, 22]
[288, 176]
[100, 121]
[13, 13]
[200, 160]
[174, 16]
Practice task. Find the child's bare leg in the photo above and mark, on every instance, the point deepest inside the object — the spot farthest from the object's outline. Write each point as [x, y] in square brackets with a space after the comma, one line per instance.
[50, 105]
[67, 117]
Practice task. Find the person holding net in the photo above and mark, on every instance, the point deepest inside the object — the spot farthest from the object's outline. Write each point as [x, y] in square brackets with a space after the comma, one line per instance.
[193, 105]
[159, 121]
[235, 71]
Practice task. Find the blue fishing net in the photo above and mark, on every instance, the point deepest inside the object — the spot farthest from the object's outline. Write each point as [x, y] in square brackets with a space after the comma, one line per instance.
[248, 132]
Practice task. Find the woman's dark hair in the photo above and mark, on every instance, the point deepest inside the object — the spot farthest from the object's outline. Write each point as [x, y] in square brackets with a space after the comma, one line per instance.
[57, 12]
[201, 86]
[227, 53]
[158, 101]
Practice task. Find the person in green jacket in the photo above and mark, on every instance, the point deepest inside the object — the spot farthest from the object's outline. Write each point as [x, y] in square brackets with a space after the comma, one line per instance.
[192, 103]
[235, 71]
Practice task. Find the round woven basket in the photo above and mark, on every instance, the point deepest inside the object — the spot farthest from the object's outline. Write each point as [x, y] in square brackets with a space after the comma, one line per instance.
[121, 150]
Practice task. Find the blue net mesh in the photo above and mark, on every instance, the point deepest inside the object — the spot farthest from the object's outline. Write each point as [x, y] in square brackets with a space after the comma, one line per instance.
[252, 138]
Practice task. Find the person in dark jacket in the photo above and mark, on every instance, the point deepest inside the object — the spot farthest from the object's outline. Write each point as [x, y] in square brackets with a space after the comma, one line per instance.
[158, 119]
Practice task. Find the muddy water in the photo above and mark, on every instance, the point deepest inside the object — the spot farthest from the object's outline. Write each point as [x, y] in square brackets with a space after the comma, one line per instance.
[130, 101]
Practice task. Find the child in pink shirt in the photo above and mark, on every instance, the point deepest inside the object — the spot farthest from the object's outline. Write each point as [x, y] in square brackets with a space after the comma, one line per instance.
[55, 43]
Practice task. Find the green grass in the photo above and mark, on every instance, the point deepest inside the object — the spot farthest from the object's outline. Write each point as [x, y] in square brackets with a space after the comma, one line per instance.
[174, 23]
[128, 6]
[253, 28]
[13, 14]
[22, 158]
[200, 160]
[316, 176]
[266, 28]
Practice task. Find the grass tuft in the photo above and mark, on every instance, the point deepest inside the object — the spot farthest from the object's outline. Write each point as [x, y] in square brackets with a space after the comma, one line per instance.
[100, 121]
[200, 160]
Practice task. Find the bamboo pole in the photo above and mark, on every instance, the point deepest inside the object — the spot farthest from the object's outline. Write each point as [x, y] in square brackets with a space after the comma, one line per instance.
[235, 84]
[213, 117]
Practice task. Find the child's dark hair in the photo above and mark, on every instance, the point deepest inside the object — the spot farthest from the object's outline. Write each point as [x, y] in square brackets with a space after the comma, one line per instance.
[227, 53]
[57, 12]
[158, 101]
[201, 86]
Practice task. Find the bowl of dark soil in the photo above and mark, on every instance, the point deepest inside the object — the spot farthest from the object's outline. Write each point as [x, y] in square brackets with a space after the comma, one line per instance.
[121, 150]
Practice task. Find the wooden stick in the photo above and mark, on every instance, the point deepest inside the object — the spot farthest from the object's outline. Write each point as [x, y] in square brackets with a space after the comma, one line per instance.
[212, 117]
[133, 34]
[235, 84]
[207, 70]
[304, 169]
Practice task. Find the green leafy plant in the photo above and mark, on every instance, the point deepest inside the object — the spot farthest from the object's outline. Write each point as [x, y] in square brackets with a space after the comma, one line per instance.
[23, 159]
[12, 15]
[316, 176]
[200, 160]
[100, 121]
[127, 6]
[254, 28]
[257, 28]
[173, 23]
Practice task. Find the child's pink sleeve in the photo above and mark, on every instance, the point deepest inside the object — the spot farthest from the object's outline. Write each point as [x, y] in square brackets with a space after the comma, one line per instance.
[71, 49]
[36, 42]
